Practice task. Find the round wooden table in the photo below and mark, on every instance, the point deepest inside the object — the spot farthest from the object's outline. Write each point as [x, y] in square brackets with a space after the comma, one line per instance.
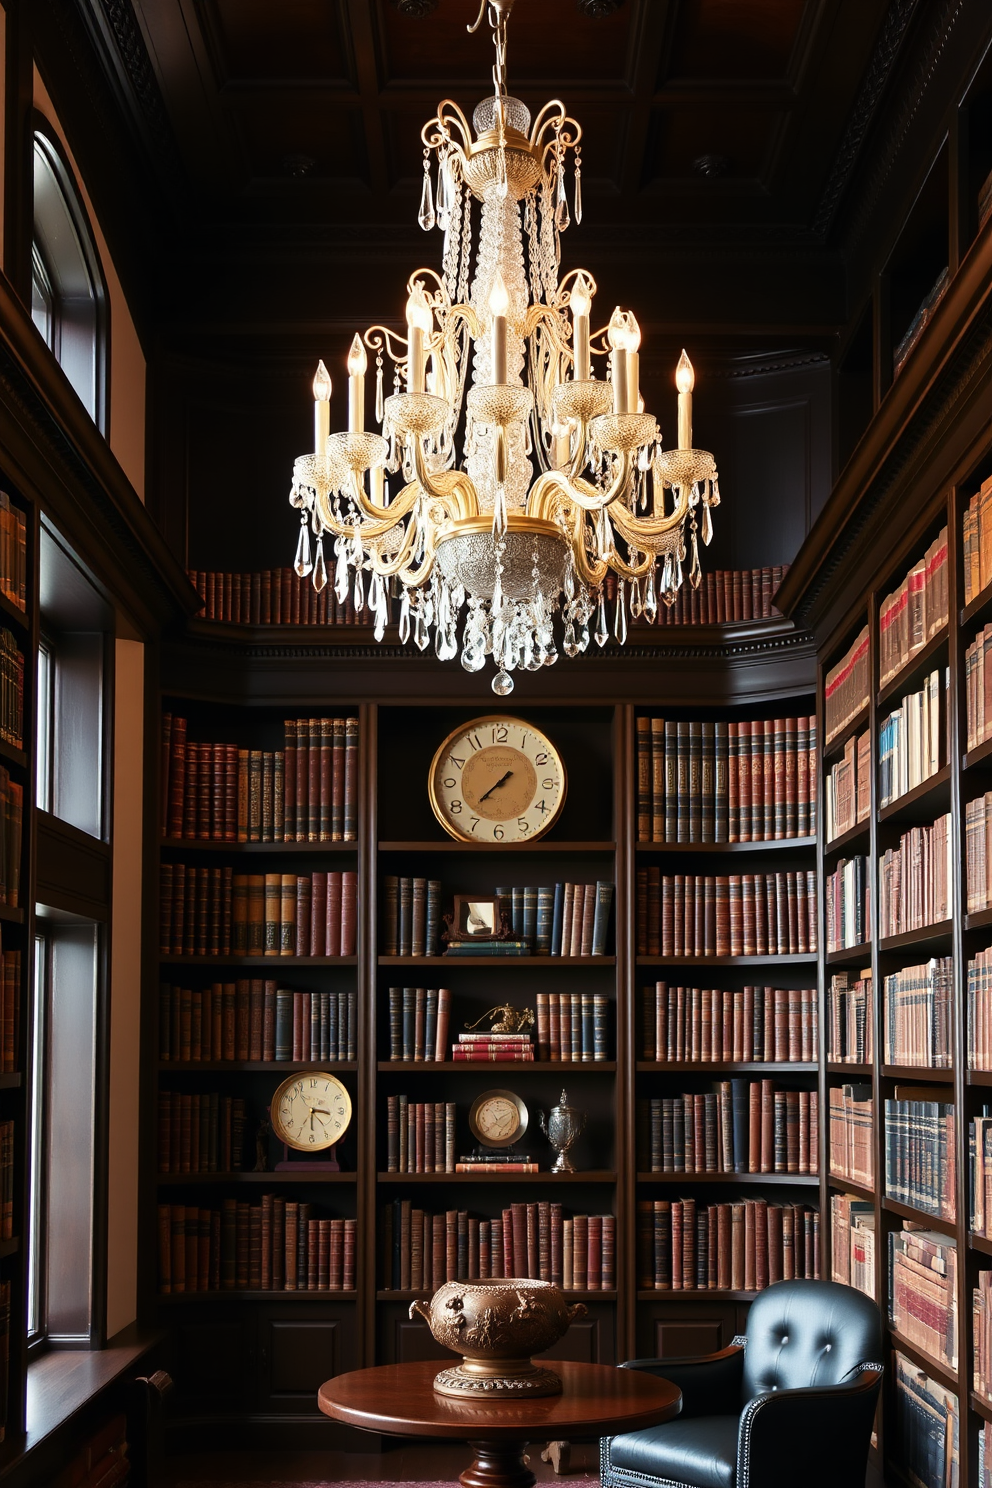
[596, 1400]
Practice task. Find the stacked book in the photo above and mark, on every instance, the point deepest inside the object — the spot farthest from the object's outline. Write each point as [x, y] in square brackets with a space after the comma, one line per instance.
[916, 880]
[913, 614]
[980, 1010]
[305, 792]
[13, 552]
[919, 1151]
[919, 1011]
[420, 1135]
[737, 914]
[411, 911]
[697, 1025]
[726, 594]
[851, 1129]
[978, 858]
[500, 1048]
[279, 1245]
[851, 1017]
[977, 542]
[422, 1251]
[275, 596]
[925, 1427]
[11, 826]
[744, 1246]
[742, 1126]
[256, 1021]
[980, 1172]
[922, 1292]
[729, 781]
[852, 1242]
[200, 1133]
[848, 787]
[217, 912]
[981, 1313]
[845, 691]
[911, 742]
[978, 688]
[419, 1019]
[847, 904]
[572, 1026]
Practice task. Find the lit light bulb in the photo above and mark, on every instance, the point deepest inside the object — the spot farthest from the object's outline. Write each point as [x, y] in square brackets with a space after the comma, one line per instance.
[615, 331]
[499, 300]
[633, 334]
[685, 377]
[618, 336]
[420, 321]
[357, 360]
[418, 312]
[581, 297]
[322, 384]
[321, 409]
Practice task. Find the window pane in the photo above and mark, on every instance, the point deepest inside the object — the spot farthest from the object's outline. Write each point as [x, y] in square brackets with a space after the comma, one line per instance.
[36, 1171]
[46, 725]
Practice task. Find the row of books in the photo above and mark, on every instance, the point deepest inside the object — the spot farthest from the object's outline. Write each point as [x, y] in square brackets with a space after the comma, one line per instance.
[847, 904]
[274, 596]
[411, 916]
[10, 1010]
[419, 1019]
[13, 552]
[11, 690]
[914, 612]
[278, 1245]
[926, 1426]
[729, 781]
[852, 1242]
[697, 1025]
[850, 1133]
[490, 1048]
[976, 533]
[979, 1010]
[725, 594]
[922, 1292]
[572, 1026]
[304, 792]
[847, 792]
[978, 852]
[217, 912]
[912, 741]
[737, 914]
[6, 1180]
[916, 879]
[919, 1012]
[563, 919]
[845, 690]
[978, 688]
[420, 1136]
[746, 1245]
[851, 1017]
[980, 1171]
[11, 828]
[742, 1126]
[981, 1333]
[255, 1020]
[422, 1251]
[919, 1151]
[202, 1132]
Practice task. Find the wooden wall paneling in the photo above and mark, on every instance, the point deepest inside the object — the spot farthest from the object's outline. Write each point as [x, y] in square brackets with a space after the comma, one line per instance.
[367, 1212]
[625, 831]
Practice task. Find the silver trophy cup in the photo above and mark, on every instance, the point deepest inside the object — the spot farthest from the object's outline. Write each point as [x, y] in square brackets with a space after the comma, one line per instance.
[563, 1128]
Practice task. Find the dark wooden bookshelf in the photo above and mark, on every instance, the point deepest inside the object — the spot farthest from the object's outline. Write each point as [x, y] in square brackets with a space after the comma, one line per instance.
[856, 725]
[920, 1216]
[274, 963]
[258, 1294]
[847, 839]
[492, 1067]
[847, 1185]
[935, 936]
[929, 799]
[761, 844]
[502, 961]
[848, 953]
[727, 1066]
[254, 1066]
[806, 1180]
[920, 1074]
[854, 1071]
[545, 1176]
[544, 845]
[798, 958]
[913, 670]
[175, 1180]
[269, 849]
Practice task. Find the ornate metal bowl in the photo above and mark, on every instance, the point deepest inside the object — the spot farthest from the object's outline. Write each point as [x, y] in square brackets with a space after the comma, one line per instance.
[496, 1326]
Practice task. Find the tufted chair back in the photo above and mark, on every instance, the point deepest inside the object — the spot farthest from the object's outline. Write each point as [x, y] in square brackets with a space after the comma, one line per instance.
[803, 1333]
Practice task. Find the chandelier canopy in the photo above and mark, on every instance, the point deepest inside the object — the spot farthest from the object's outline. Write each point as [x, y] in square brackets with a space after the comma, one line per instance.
[562, 476]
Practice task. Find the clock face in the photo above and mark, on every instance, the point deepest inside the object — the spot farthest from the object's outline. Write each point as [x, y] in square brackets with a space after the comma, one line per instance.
[311, 1111]
[497, 779]
[498, 1118]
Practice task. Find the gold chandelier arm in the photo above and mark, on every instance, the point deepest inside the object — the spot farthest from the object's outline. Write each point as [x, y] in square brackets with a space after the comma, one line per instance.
[350, 529]
[452, 488]
[400, 506]
[437, 131]
[590, 573]
[631, 571]
[414, 578]
[637, 530]
[379, 337]
[388, 567]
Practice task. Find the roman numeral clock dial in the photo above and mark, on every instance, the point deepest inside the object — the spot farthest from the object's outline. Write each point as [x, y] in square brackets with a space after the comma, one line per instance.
[497, 780]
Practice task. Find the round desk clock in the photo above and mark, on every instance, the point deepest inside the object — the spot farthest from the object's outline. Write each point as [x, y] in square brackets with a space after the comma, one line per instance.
[497, 780]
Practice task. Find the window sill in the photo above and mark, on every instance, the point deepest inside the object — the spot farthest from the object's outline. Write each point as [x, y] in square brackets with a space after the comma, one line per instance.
[63, 1381]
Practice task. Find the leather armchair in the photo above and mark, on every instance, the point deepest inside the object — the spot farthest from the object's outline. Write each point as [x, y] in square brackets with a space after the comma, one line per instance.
[791, 1401]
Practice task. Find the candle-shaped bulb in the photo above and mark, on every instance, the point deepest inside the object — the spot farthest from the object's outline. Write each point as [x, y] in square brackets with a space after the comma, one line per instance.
[357, 360]
[685, 377]
[499, 300]
[420, 321]
[418, 312]
[633, 334]
[616, 330]
[581, 298]
[617, 334]
[322, 384]
[581, 304]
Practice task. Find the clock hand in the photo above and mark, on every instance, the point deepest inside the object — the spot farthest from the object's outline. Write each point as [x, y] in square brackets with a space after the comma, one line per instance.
[499, 782]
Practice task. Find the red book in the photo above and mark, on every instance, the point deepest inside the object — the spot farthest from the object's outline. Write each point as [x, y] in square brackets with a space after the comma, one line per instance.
[332, 946]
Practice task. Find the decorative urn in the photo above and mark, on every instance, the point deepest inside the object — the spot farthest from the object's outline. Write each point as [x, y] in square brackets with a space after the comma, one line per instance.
[496, 1326]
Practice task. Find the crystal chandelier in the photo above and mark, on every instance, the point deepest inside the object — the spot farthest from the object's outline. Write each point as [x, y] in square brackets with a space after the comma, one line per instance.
[562, 476]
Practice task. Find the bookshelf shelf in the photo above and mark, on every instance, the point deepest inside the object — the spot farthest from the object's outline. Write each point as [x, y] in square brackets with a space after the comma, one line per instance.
[546, 1176]
[12, 915]
[9, 611]
[980, 1405]
[478, 961]
[726, 1066]
[853, 1071]
[919, 1073]
[580, 1294]
[856, 725]
[764, 844]
[931, 1221]
[980, 755]
[938, 937]
[847, 1185]
[256, 1294]
[847, 954]
[913, 669]
[847, 839]
[254, 1066]
[947, 1377]
[489, 1067]
[807, 1180]
[544, 845]
[695, 1294]
[930, 798]
[797, 958]
[174, 1180]
[10, 1247]
[978, 1077]
[194, 844]
[273, 962]
[13, 755]
[980, 1242]
[979, 608]
[981, 920]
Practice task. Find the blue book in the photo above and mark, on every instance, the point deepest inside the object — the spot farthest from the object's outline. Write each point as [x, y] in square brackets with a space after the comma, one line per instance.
[530, 916]
[351, 1049]
[284, 1024]
[545, 910]
[601, 919]
[557, 919]
[517, 912]
[739, 1101]
[430, 1023]
[408, 1016]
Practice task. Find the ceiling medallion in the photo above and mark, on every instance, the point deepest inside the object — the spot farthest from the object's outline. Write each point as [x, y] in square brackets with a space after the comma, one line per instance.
[598, 10]
[524, 477]
[417, 9]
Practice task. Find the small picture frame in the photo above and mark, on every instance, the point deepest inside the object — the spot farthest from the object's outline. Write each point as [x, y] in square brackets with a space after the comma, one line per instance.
[477, 917]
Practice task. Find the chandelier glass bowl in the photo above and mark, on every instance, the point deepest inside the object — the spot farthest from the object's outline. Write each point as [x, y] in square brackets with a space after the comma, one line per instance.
[508, 479]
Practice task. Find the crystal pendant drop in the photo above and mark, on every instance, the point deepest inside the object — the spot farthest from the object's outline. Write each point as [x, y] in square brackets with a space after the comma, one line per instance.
[426, 216]
[561, 210]
[319, 569]
[502, 684]
[380, 404]
[570, 643]
[602, 631]
[405, 618]
[707, 525]
[578, 192]
[695, 572]
[359, 592]
[341, 571]
[650, 600]
[379, 629]
[636, 608]
[303, 564]
[499, 513]
[620, 617]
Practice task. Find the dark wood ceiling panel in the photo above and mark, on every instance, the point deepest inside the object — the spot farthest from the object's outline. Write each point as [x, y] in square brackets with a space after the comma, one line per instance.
[300, 124]
[734, 40]
[549, 39]
[734, 144]
[306, 43]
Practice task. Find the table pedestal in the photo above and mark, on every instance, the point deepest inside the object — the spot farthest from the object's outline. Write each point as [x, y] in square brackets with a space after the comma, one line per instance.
[498, 1464]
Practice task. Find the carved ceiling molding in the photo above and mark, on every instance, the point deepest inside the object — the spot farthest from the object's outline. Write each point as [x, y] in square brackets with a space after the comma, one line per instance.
[132, 54]
[761, 367]
[949, 392]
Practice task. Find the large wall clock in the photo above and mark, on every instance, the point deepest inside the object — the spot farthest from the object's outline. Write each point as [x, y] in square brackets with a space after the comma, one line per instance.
[497, 780]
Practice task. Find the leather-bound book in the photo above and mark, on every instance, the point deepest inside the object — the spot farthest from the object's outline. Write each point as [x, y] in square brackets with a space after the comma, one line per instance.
[683, 766]
[390, 914]
[177, 778]
[707, 784]
[350, 829]
[418, 916]
[255, 795]
[405, 929]
[290, 891]
[733, 782]
[303, 886]
[166, 907]
[768, 780]
[191, 789]
[289, 779]
[688, 1244]
[268, 795]
[312, 726]
[265, 1256]
[334, 914]
[349, 912]
[695, 783]
[729, 924]
[671, 797]
[643, 774]
[594, 1264]
[658, 767]
[256, 1008]
[590, 896]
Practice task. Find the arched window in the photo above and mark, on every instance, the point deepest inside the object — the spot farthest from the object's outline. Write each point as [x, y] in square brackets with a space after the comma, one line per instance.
[68, 298]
